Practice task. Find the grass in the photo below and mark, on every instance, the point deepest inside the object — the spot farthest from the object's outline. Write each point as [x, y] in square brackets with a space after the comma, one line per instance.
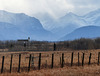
[75, 70]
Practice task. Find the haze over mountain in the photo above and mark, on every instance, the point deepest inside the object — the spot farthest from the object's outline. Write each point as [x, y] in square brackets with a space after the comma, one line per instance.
[63, 25]
[93, 18]
[83, 32]
[18, 25]
[71, 21]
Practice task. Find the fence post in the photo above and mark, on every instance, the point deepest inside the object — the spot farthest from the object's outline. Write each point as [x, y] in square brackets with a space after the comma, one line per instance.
[54, 47]
[62, 60]
[11, 63]
[52, 61]
[33, 60]
[39, 65]
[90, 59]
[29, 63]
[78, 59]
[46, 64]
[72, 59]
[98, 57]
[2, 64]
[19, 62]
[83, 60]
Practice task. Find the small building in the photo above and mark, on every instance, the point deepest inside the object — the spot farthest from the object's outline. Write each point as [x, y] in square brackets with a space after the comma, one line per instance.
[24, 41]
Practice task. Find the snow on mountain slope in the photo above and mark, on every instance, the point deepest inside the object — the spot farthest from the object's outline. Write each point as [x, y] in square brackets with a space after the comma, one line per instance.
[46, 20]
[72, 18]
[93, 18]
[20, 19]
[71, 21]
[67, 24]
[30, 26]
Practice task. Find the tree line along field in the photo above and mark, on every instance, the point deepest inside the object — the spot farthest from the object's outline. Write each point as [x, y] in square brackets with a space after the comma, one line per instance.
[79, 44]
[46, 61]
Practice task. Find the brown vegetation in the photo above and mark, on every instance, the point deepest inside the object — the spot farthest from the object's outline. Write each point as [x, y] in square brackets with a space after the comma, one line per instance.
[87, 70]
[79, 44]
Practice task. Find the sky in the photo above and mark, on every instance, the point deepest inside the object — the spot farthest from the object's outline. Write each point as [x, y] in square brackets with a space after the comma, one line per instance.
[55, 8]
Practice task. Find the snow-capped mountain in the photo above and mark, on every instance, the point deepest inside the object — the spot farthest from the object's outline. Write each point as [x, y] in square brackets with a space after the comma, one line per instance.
[46, 20]
[21, 25]
[65, 24]
[71, 21]
[24, 25]
[83, 32]
[93, 18]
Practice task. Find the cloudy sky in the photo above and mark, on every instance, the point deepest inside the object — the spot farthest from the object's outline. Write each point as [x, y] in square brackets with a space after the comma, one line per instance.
[55, 8]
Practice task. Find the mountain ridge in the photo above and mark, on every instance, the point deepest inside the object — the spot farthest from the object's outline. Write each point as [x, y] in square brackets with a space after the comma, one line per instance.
[83, 32]
[29, 26]
[56, 28]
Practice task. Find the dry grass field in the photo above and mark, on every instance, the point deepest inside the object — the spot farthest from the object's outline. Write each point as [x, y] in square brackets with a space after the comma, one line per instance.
[87, 70]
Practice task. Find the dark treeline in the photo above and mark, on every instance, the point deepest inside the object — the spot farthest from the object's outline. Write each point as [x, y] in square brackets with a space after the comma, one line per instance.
[26, 45]
[79, 44]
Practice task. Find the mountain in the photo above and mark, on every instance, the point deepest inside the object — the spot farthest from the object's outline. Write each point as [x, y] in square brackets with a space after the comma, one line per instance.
[21, 25]
[46, 20]
[83, 32]
[9, 31]
[68, 23]
[51, 28]
[93, 18]
[63, 25]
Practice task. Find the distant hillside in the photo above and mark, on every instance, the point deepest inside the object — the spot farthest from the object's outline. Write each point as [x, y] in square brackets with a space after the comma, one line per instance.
[63, 25]
[83, 32]
[18, 25]
[69, 22]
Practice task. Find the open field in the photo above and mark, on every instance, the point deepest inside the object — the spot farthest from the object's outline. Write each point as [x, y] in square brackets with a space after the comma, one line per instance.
[92, 70]
[46, 59]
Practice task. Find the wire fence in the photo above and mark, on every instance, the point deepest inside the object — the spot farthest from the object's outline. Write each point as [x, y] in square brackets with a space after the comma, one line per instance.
[24, 62]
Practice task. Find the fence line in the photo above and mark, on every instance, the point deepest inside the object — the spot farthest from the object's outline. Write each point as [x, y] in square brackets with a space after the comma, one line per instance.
[50, 60]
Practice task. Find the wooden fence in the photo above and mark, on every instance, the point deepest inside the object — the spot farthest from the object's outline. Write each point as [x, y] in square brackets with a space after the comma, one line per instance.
[21, 62]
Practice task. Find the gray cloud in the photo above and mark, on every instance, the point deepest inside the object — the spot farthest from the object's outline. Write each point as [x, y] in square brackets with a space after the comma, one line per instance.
[84, 6]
